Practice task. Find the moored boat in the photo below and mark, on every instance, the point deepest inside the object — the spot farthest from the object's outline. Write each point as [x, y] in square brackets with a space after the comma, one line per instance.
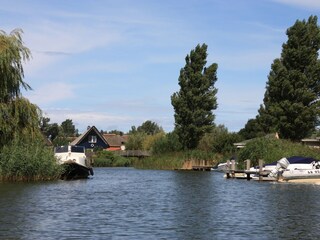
[75, 161]
[296, 168]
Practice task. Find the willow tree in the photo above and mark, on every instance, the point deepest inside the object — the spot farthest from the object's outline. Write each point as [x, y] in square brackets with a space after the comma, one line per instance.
[291, 101]
[18, 117]
[196, 100]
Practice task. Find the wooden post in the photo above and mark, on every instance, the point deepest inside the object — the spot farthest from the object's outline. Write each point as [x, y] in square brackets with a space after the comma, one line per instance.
[248, 165]
[260, 169]
[233, 167]
[228, 171]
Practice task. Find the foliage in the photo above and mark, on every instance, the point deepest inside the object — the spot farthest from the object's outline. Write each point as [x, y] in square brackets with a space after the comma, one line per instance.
[291, 105]
[68, 128]
[165, 161]
[59, 135]
[28, 161]
[150, 128]
[110, 159]
[252, 129]
[219, 140]
[12, 55]
[173, 160]
[18, 118]
[166, 144]
[271, 149]
[150, 140]
[194, 103]
[135, 141]
[117, 132]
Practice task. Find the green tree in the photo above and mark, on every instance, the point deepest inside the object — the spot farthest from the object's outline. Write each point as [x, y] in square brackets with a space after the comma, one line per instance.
[219, 140]
[291, 105]
[150, 128]
[12, 54]
[252, 129]
[135, 141]
[18, 117]
[194, 103]
[68, 128]
[53, 131]
[117, 132]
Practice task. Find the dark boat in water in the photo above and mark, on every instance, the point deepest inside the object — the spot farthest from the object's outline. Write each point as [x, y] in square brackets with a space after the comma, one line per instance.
[75, 161]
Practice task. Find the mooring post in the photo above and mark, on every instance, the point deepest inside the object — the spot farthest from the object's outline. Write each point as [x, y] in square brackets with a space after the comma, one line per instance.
[228, 171]
[248, 165]
[233, 167]
[260, 169]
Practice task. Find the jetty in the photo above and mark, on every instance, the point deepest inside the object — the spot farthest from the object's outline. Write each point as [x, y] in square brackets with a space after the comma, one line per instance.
[196, 165]
[232, 172]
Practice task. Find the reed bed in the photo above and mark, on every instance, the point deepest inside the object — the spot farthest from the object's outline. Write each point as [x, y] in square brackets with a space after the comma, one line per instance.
[21, 161]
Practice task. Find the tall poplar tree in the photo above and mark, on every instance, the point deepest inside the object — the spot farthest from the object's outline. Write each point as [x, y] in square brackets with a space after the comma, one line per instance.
[291, 104]
[196, 100]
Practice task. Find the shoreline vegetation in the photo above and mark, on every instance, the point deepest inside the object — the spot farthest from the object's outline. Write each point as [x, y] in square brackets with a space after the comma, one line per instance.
[28, 161]
[290, 108]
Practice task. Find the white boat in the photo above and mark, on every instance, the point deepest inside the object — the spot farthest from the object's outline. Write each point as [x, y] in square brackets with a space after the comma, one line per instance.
[296, 168]
[75, 160]
[223, 167]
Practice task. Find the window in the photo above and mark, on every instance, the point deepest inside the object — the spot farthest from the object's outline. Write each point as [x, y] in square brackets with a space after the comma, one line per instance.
[92, 139]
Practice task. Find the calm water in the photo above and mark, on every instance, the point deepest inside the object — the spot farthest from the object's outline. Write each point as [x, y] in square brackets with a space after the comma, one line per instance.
[125, 203]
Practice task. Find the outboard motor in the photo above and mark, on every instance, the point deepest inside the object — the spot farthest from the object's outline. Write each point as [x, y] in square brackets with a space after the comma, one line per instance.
[283, 163]
[316, 165]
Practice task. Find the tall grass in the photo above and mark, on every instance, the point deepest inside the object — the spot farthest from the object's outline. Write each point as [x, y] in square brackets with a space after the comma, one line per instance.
[110, 159]
[174, 160]
[32, 161]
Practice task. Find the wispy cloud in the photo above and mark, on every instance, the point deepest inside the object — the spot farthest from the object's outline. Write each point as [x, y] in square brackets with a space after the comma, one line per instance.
[51, 93]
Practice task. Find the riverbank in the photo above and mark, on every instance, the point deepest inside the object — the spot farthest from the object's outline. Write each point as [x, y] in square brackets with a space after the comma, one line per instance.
[175, 160]
[28, 161]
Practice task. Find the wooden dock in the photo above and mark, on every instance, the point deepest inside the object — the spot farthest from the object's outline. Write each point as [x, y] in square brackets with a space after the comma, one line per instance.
[232, 172]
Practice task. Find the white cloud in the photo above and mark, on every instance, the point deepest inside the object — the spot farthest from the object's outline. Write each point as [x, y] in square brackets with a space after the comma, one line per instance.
[50, 93]
[50, 42]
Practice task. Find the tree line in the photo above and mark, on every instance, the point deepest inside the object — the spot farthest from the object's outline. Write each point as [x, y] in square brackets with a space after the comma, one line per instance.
[290, 106]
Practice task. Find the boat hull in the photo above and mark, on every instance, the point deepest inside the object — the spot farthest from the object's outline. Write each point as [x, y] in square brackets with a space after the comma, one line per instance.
[300, 174]
[73, 171]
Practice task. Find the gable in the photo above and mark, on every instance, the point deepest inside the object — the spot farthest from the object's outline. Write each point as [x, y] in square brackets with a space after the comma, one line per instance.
[90, 139]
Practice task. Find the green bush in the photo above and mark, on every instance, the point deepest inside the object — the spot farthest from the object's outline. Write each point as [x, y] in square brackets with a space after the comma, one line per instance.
[219, 141]
[28, 161]
[167, 144]
[271, 150]
[110, 159]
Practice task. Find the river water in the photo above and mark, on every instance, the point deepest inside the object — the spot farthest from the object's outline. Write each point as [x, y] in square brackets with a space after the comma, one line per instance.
[125, 203]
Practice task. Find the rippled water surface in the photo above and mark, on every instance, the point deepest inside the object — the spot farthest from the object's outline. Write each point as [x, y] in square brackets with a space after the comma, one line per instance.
[125, 203]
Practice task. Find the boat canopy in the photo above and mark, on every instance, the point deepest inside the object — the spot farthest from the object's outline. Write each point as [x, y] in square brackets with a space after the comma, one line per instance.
[296, 160]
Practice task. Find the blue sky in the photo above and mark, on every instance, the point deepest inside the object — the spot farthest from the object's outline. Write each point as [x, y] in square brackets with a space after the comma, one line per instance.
[115, 64]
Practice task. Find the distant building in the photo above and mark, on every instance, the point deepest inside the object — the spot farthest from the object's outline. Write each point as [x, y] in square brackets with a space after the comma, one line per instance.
[116, 142]
[91, 139]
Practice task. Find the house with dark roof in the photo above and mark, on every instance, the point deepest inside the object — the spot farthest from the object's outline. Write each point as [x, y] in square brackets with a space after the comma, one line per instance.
[91, 139]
